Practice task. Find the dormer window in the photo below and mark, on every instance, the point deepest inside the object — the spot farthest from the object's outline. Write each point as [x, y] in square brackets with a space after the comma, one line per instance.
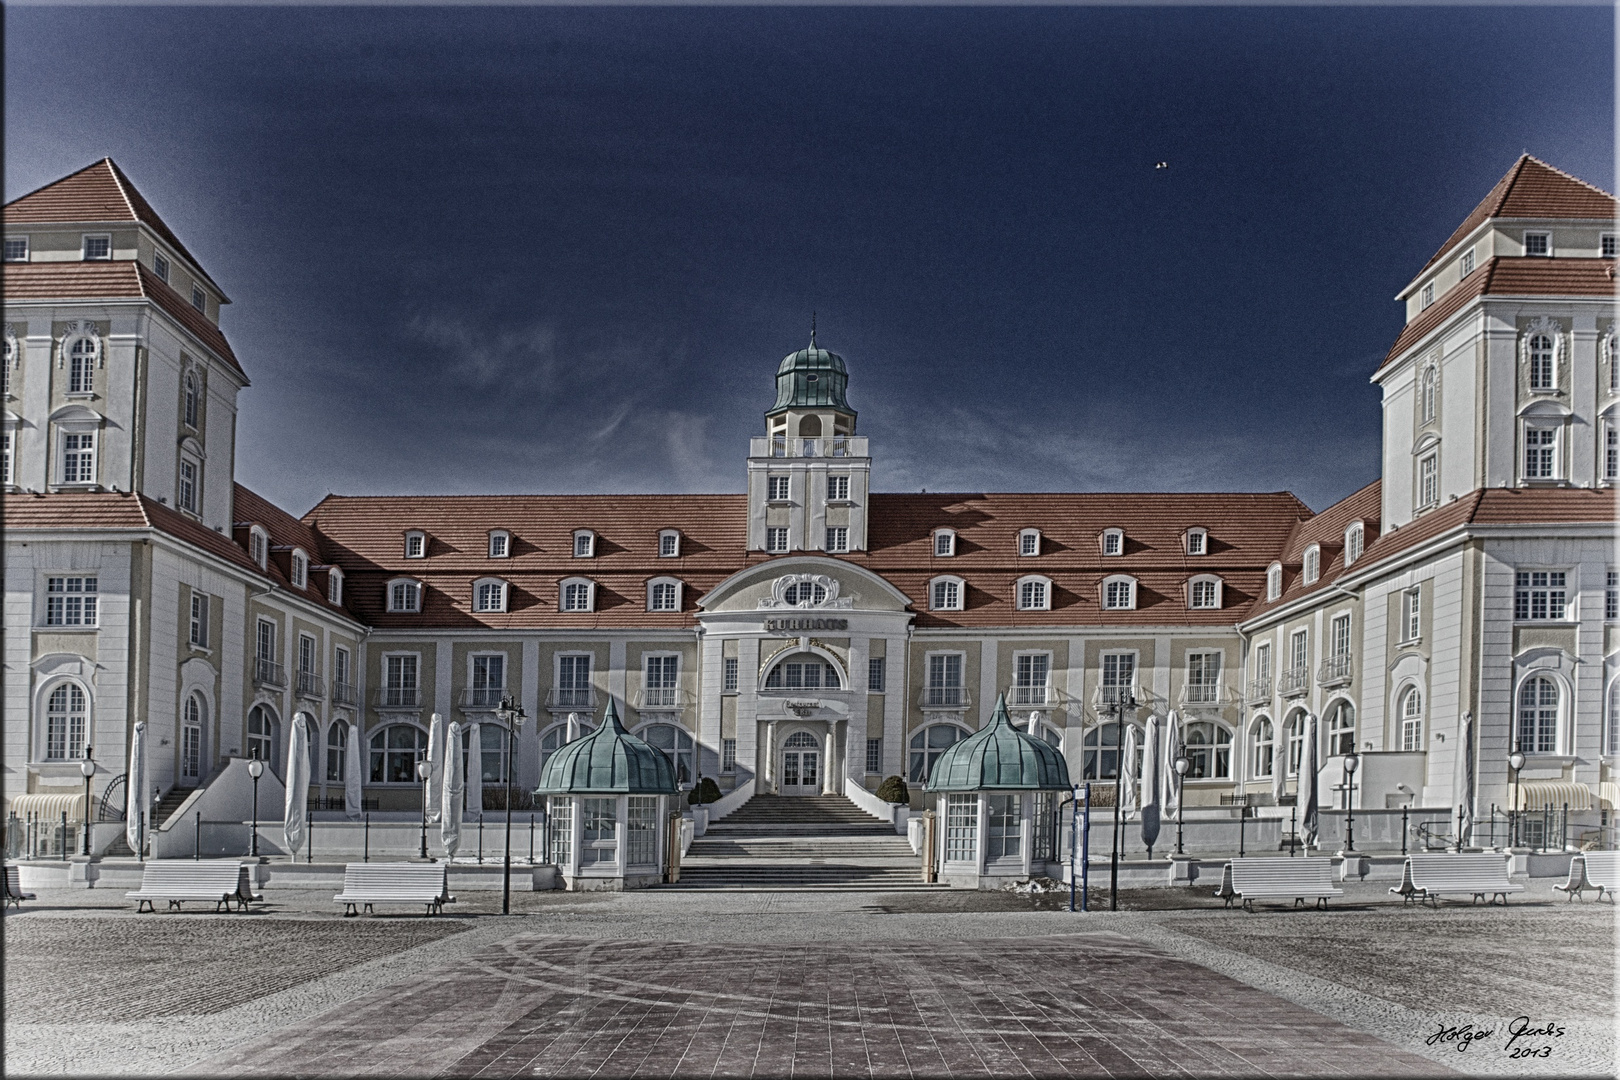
[669, 544]
[1197, 542]
[945, 594]
[198, 299]
[584, 544]
[334, 586]
[1607, 246]
[1113, 542]
[97, 248]
[416, 544]
[160, 266]
[1465, 265]
[1537, 243]
[500, 544]
[1428, 295]
[1274, 582]
[299, 575]
[1119, 593]
[404, 595]
[663, 594]
[577, 594]
[1029, 542]
[1355, 538]
[489, 594]
[1034, 594]
[259, 547]
[1204, 593]
[16, 249]
[944, 543]
[1313, 564]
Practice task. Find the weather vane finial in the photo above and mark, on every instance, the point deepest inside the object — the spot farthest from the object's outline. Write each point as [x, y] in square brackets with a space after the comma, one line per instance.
[812, 329]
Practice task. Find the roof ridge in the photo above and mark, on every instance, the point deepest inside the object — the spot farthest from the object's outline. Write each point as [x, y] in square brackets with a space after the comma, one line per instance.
[118, 182]
[1569, 176]
[58, 180]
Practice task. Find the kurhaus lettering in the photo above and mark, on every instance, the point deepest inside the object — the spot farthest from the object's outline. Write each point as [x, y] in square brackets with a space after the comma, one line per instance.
[774, 625]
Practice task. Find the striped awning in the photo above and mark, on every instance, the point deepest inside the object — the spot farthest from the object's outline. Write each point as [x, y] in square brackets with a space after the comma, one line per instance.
[1537, 794]
[48, 807]
[1609, 795]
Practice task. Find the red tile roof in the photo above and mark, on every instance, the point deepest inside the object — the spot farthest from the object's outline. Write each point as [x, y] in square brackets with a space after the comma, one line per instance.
[1511, 276]
[117, 280]
[97, 192]
[1534, 189]
[1326, 530]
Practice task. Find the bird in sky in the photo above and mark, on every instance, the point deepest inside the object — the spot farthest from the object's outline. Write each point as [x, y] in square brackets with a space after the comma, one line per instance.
[1162, 165]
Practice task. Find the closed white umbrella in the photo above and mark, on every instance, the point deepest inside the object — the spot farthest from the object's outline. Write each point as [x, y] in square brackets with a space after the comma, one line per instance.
[1152, 766]
[454, 785]
[1127, 765]
[435, 765]
[1465, 832]
[475, 768]
[1279, 763]
[137, 798]
[1172, 750]
[352, 775]
[295, 817]
[1308, 766]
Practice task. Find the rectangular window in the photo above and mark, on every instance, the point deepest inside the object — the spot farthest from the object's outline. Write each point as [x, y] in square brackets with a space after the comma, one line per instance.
[1607, 245]
[160, 266]
[574, 680]
[1428, 294]
[776, 540]
[576, 596]
[728, 755]
[778, 486]
[874, 755]
[1341, 635]
[97, 248]
[1540, 594]
[1537, 243]
[728, 675]
[663, 596]
[5, 457]
[497, 545]
[400, 687]
[1003, 834]
[1113, 542]
[199, 620]
[584, 544]
[1196, 541]
[1262, 662]
[1611, 451]
[198, 299]
[1298, 650]
[16, 249]
[1411, 607]
[264, 641]
[875, 673]
[1118, 676]
[947, 596]
[489, 673]
[945, 679]
[561, 813]
[641, 832]
[663, 674]
[961, 827]
[340, 666]
[186, 497]
[837, 538]
[1029, 543]
[415, 545]
[1466, 265]
[1031, 671]
[598, 831]
[669, 545]
[1429, 481]
[70, 601]
[1203, 677]
[1540, 445]
[837, 488]
[1611, 597]
[944, 544]
[306, 654]
[79, 458]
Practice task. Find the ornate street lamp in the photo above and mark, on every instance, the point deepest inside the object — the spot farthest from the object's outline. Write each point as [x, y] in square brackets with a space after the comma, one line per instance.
[511, 714]
[255, 770]
[423, 772]
[1125, 700]
[1181, 767]
[1515, 762]
[87, 768]
[1350, 763]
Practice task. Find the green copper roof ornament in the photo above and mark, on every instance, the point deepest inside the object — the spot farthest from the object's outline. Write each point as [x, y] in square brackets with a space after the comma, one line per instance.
[812, 378]
[608, 761]
[999, 757]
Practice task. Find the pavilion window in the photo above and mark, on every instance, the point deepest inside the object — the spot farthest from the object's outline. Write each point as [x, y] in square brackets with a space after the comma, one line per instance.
[561, 814]
[1004, 832]
[961, 827]
[599, 831]
[641, 831]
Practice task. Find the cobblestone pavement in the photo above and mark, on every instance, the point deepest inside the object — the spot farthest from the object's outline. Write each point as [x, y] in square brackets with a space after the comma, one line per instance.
[930, 983]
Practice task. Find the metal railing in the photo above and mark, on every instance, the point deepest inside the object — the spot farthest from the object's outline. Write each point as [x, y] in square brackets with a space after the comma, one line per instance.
[943, 697]
[1201, 693]
[1336, 669]
[311, 685]
[344, 693]
[835, 446]
[1259, 690]
[1032, 696]
[661, 697]
[399, 697]
[560, 697]
[269, 673]
[1295, 680]
[482, 697]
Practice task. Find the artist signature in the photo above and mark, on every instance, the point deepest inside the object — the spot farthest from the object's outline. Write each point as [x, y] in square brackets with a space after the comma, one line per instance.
[1523, 1038]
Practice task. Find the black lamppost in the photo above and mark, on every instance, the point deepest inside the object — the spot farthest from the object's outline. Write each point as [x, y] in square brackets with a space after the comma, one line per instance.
[1181, 767]
[423, 772]
[1350, 763]
[513, 716]
[1515, 762]
[87, 768]
[1125, 700]
[255, 770]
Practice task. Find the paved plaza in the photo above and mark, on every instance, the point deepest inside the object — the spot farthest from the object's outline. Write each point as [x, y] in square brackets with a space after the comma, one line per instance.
[666, 983]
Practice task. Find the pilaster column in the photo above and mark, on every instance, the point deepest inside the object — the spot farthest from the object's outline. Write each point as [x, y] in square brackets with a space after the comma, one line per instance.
[829, 775]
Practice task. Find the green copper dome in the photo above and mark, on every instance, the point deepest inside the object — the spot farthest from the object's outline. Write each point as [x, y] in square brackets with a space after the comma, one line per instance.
[999, 758]
[813, 378]
[608, 761]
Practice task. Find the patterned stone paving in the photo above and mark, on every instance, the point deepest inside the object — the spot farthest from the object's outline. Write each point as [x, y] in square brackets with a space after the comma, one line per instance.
[1095, 1004]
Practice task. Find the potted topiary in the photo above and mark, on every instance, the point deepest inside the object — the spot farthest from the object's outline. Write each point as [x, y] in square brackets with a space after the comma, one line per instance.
[893, 791]
[704, 792]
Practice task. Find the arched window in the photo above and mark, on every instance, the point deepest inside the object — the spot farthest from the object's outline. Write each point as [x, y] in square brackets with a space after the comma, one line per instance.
[926, 746]
[945, 594]
[1262, 747]
[395, 750]
[193, 396]
[415, 544]
[82, 353]
[1119, 593]
[664, 594]
[944, 542]
[1541, 362]
[500, 544]
[191, 734]
[576, 594]
[1209, 751]
[556, 737]
[404, 595]
[300, 569]
[1274, 581]
[1034, 594]
[1411, 714]
[1538, 716]
[1113, 542]
[263, 730]
[1431, 383]
[1197, 542]
[1612, 745]
[669, 543]
[65, 723]
[337, 749]
[1341, 729]
[1204, 592]
[489, 594]
[1313, 564]
[803, 671]
[1101, 744]
[676, 743]
[1355, 538]
[259, 546]
[1029, 542]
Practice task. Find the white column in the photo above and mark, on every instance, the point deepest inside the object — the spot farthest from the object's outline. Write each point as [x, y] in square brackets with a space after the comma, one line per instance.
[855, 730]
[897, 664]
[768, 763]
[829, 783]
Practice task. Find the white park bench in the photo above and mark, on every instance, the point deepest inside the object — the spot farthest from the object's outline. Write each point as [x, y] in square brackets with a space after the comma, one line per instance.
[365, 884]
[216, 881]
[1598, 870]
[1277, 878]
[1483, 876]
[14, 894]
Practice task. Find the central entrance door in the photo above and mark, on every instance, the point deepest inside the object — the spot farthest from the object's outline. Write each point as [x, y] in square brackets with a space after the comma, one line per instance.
[801, 773]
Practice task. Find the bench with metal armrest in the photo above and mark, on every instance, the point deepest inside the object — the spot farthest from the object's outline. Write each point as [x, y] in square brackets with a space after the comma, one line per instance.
[365, 884]
[1277, 878]
[216, 881]
[1483, 875]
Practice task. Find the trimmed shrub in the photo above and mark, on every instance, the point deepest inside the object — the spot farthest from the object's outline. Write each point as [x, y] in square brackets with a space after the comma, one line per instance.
[707, 791]
[894, 790]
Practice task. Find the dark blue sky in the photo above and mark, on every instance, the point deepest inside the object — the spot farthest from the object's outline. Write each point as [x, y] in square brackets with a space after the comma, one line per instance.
[563, 249]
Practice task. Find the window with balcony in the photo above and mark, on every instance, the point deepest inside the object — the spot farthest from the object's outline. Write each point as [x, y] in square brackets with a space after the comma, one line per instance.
[70, 601]
[1203, 677]
[669, 544]
[944, 686]
[344, 692]
[1029, 542]
[1197, 542]
[309, 680]
[577, 594]
[662, 681]
[1540, 595]
[1119, 594]
[500, 544]
[400, 686]
[944, 543]
[488, 681]
[1034, 594]
[1118, 677]
[1260, 687]
[404, 595]
[267, 655]
[1113, 542]
[1031, 675]
[415, 545]
[489, 595]
[1297, 677]
[1336, 666]
[574, 690]
[945, 594]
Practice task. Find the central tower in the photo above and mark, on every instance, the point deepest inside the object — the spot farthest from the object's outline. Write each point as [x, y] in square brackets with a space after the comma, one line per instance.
[808, 476]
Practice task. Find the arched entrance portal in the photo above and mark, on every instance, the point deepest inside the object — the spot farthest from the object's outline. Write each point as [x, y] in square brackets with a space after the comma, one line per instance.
[801, 765]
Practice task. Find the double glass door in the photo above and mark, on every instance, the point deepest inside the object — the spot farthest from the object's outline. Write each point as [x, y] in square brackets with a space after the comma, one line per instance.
[801, 765]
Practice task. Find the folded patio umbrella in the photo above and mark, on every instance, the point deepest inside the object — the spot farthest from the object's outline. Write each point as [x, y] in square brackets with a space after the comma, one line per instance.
[1466, 832]
[475, 768]
[1279, 763]
[353, 775]
[1308, 767]
[1152, 766]
[454, 785]
[435, 765]
[137, 798]
[1127, 773]
[1172, 750]
[295, 815]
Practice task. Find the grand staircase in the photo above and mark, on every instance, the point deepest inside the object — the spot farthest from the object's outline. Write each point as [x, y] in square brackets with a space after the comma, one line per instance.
[800, 842]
